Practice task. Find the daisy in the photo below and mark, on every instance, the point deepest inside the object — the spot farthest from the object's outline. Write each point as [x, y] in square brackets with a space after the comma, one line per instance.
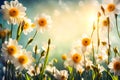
[101, 57]
[61, 75]
[112, 6]
[43, 22]
[24, 60]
[83, 45]
[34, 70]
[28, 26]
[10, 49]
[74, 59]
[13, 11]
[88, 64]
[115, 66]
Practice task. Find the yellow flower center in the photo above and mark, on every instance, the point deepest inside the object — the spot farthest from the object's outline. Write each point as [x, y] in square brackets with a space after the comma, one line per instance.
[64, 57]
[63, 77]
[13, 12]
[116, 65]
[23, 59]
[86, 41]
[42, 22]
[105, 22]
[76, 58]
[26, 26]
[12, 50]
[100, 57]
[111, 7]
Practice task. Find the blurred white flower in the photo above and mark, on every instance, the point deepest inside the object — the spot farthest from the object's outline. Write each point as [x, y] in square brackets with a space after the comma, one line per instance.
[13, 12]
[101, 57]
[111, 6]
[10, 49]
[24, 60]
[43, 22]
[61, 75]
[115, 66]
[34, 70]
[83, 45]
[28, 26]
[74, 59]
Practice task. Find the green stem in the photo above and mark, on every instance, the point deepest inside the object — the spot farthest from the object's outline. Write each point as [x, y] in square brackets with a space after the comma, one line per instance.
[117, 25]
[11, 30]
[108, 42]
[31, 40]
[46, 59]
[92, 44]
[98, 38]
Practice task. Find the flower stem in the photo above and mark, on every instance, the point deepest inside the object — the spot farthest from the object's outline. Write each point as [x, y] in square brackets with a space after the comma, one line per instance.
[11, 30]
[31, 40]
[46, 59]
[108, 42]
[117, 25]
[92, 44]
[98, 38]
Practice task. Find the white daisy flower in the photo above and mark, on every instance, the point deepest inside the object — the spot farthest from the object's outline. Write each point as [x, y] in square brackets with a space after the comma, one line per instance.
[88, 64]
[11, 49]
[101, 57]
[34, 70]
[43, 22]
[28, 26]
[115, 66]
[61, 75]
[24, 60]
[83, 45]
[51, 69]
[112, 6]
[74, 59]
[13, 11]
[104, 24]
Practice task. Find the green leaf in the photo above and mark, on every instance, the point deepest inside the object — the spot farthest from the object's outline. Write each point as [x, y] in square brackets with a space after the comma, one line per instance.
[69, 69]
[115, 77]
[27, 77]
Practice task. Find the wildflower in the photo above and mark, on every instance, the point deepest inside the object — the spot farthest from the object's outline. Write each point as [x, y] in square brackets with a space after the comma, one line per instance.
[61, 75]
[10, 49]
[24, 60]
[34, 70]
[43, 22]
[28, 26]
[74, 60]
[112, 6]
[13, 12]
[115, 66]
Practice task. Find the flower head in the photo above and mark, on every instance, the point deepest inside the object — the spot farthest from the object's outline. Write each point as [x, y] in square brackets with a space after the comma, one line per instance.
[61, 75]
[115, 66]
[10, 49]
[28, 26]
[74, 60]
[43, 22]
[112, 6]
[24, 60]
[13, 12]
